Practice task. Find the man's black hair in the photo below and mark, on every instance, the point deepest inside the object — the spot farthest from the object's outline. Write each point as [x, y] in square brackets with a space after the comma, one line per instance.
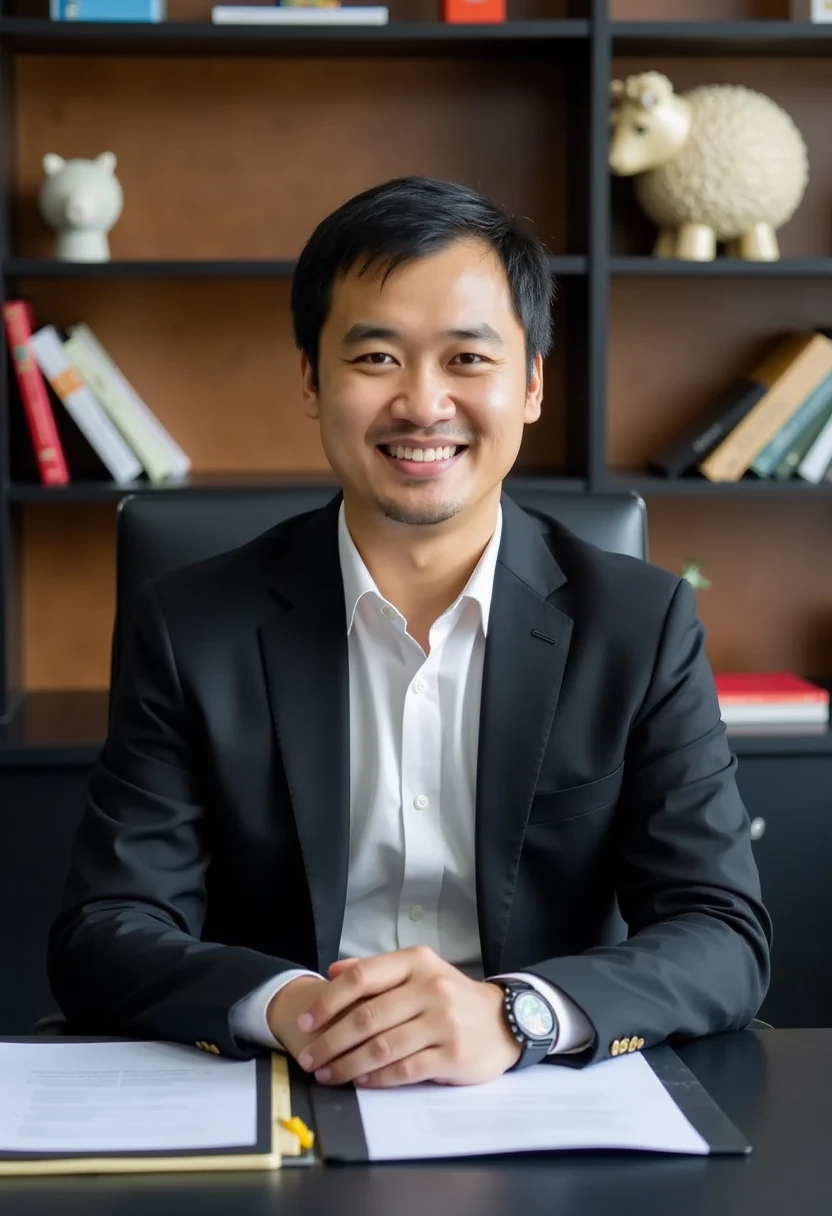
[412, 217]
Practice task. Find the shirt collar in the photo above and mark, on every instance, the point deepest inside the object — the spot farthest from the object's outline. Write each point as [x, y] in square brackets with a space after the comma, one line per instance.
[358, 581]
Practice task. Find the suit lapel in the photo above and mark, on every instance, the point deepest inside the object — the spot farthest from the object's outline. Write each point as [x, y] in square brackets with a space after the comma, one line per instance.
[522, 677]
[304, 649]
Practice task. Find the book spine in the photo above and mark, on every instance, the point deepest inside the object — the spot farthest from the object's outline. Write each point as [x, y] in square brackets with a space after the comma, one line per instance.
[106, 390]
[803, 365]
[40, 420]
[85, 411]
[817, 460]
[788, 465]
[179, 463]
[111, 10]
[300, 15]
[767, 461]
[708, 429]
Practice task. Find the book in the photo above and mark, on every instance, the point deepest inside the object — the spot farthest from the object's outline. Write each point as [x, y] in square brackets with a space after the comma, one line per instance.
[108, 10]
[85, 410]
[18, 322]
[817, 460]
[684, 451]
[772, 698]
[161, 456]
[787, 466]
[148, 1107]
[813, 407]
[790, 371]
[278, 14]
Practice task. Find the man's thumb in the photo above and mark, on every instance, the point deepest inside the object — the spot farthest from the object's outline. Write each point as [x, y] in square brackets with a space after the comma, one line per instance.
[343, 964]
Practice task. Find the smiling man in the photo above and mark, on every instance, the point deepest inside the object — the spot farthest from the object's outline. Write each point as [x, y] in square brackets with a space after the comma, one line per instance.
[376, 783]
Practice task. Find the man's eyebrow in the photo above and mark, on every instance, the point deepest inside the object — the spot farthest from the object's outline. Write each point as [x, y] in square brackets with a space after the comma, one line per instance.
[364, 331]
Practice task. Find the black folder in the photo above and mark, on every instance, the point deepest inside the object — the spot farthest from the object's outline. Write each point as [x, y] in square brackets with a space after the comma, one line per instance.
[340, 1132]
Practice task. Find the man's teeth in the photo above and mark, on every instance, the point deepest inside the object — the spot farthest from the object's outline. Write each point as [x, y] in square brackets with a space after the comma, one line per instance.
[402, 453]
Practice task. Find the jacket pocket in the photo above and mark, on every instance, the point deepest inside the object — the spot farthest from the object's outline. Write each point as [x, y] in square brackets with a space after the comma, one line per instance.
[577, 799]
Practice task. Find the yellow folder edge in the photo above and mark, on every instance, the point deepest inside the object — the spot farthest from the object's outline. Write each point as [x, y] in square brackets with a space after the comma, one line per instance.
[284, 1143]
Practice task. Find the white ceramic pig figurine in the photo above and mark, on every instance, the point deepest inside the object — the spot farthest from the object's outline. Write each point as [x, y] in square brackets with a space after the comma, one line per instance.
[81, 200]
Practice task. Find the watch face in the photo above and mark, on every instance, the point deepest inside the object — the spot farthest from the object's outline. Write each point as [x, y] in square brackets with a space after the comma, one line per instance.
[533, 1015]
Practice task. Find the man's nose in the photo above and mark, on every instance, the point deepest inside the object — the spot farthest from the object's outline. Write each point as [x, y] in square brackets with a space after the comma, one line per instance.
[423, 401]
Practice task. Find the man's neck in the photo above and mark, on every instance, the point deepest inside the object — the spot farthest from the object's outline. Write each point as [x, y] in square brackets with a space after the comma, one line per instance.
[422, 569]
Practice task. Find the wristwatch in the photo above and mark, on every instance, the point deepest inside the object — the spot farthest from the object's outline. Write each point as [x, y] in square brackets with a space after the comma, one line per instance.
[531, 1019]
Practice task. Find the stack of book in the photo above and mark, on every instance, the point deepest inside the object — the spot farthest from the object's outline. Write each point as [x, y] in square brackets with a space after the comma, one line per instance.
[74, 397]
[771, 699]
[774, 424]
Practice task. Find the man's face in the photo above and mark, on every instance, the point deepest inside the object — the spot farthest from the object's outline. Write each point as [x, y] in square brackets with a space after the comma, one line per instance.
[433, 360]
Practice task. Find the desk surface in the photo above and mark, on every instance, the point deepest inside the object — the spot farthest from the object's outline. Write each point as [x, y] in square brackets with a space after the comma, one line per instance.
[776, 1085]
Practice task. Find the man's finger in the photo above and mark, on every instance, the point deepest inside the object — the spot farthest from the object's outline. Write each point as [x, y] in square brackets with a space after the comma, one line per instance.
[422, 1066]
[364, 1021]
[335, 969]
[383, 1053]
[367, 977]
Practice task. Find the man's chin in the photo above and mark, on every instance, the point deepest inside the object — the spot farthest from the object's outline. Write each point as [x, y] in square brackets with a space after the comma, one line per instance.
[419, 515]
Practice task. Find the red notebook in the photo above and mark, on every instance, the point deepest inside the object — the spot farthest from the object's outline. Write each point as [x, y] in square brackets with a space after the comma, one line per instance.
[766, 687]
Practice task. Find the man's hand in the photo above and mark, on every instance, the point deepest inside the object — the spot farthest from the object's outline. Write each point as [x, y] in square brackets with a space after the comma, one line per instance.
[398, 1018]
[286, 1007]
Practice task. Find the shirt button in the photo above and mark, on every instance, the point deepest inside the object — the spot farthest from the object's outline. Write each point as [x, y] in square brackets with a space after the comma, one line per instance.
[421, 801]
[388, 611]
[419, 685]
[417, 912]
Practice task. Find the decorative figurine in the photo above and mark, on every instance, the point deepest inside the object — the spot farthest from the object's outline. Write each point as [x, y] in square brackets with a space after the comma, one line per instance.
[81, 200]
[718, 163]
[692, 572]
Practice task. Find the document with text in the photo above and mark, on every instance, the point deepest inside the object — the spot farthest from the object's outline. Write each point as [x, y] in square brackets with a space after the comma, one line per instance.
[88, 1098]
[616, 1104]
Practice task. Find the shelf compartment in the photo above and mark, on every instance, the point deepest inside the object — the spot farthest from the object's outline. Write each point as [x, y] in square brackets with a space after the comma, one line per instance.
[208, 483]
[711, 38]
[204, 38]
[694, 487]
[196, 268]
[649, 267]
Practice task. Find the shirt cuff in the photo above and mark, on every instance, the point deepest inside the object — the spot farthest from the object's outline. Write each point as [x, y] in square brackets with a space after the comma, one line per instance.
[248, 1016]
[575, 1031]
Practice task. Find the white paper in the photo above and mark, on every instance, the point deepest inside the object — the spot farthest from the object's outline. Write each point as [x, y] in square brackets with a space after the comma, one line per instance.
[116, 1097]
[616, 1104]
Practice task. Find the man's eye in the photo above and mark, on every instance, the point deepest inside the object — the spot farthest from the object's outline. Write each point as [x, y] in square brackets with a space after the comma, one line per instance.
[470, 358]
[375, 356]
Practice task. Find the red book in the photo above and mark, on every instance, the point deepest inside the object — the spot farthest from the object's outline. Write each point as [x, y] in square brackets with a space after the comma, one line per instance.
[18, 321]
[770, 698]
[765, 688]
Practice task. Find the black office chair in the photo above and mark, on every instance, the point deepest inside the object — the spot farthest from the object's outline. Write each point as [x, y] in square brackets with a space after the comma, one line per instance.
[166, 529]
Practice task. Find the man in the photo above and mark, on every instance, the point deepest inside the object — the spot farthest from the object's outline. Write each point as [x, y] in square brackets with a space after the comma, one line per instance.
[374, 781]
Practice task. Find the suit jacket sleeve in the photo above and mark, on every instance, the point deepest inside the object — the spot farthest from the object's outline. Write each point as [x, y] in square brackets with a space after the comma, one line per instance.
[696, 960]
[125, 955]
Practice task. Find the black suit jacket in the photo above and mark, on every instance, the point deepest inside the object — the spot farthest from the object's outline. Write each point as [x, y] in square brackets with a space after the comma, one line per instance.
[213, 849]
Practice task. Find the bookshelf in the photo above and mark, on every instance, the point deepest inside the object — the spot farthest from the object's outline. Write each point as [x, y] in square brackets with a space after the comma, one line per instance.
[226, 164]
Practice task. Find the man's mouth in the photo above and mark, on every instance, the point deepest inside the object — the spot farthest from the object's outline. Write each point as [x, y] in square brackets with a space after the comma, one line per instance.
[422, 464]
[400, 451]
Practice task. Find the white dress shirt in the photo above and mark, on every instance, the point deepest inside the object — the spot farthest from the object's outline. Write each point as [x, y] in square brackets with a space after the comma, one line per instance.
[414, 724]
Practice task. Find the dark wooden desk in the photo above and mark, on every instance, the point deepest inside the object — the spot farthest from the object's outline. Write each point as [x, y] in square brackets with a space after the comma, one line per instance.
[775, 1084]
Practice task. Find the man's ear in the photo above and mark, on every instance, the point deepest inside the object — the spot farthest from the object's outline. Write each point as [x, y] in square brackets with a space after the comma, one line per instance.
[309, 389]
[534, 391]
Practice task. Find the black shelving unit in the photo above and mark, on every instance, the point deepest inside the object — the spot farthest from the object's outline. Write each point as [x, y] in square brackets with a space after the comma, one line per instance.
[592, 268]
